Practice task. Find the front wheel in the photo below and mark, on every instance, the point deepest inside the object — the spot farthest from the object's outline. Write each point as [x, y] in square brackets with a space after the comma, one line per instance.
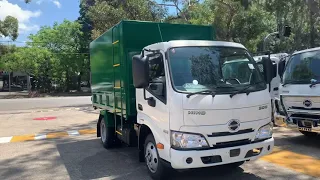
[309, 134]
[156, 168]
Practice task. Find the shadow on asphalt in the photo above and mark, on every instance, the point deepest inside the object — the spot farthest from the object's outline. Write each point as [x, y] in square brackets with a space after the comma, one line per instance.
[89, 160]
[300, 144]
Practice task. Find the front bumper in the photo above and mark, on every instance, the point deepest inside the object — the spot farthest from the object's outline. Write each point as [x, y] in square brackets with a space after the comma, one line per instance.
[296, 117]
[302, 120]
[213, 157]
[302, 123]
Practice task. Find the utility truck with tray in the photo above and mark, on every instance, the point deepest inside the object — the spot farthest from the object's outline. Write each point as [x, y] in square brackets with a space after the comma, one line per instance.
[185, 100]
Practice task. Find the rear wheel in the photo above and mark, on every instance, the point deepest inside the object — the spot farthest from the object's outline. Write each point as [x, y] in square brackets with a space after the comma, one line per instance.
[309, 134]
[156, 168]
[107, 135]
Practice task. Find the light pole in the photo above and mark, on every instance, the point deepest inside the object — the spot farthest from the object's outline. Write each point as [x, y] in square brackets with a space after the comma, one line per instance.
[267, 38]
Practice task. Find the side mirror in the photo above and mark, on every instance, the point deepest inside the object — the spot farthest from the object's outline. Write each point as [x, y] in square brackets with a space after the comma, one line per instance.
[157, 88]
[281, 66]
[140, 71]
[268, 69]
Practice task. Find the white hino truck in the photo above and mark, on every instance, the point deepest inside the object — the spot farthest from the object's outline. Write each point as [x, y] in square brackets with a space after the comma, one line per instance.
[186, 101]
[298, 105]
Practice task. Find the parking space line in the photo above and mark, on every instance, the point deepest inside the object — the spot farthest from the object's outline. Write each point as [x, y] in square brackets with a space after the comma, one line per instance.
[57, 135]
[87, 131]
[40, 136]
[52, 135]
[294, 161]
[73, 133]
[5, 139]
[22, 138]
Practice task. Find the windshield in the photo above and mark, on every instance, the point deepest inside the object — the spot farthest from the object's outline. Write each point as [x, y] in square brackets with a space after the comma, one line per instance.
[303, 68]
[223, 69]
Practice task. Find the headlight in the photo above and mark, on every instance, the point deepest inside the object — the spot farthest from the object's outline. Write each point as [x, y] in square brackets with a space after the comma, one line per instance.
[181, 140]
[265, 132]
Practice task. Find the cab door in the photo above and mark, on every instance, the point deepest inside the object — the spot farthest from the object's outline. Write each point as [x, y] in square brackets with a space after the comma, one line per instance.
[152, 101]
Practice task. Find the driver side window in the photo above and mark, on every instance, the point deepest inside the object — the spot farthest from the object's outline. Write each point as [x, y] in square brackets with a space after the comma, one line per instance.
[157, 79]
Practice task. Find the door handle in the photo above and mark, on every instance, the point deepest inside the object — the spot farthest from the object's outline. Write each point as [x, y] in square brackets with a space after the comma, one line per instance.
[140, 107]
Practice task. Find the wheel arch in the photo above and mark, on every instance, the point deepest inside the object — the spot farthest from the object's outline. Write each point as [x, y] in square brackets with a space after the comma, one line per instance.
[143, 132]
[98, 125]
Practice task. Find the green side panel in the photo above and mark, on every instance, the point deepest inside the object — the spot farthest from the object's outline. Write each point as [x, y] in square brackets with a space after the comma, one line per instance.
[102, 75]
[111, 55]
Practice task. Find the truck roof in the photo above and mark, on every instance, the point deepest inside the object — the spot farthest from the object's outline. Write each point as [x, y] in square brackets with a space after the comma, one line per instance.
[306, 50]
[182, 43]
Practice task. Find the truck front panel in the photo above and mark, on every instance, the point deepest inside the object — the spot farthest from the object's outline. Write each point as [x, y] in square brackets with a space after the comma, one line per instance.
[214, 157]
[299, 107]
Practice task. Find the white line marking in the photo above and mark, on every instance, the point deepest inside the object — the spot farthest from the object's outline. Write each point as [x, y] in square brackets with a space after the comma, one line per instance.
[73, 133]
[40, 136]
[5, 139]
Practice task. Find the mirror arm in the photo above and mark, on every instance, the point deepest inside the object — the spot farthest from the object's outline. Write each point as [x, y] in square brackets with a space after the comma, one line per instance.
[144, 94]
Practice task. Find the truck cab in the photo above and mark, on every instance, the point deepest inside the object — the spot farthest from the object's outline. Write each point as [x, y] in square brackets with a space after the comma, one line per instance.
[298, 104]
[205, 103]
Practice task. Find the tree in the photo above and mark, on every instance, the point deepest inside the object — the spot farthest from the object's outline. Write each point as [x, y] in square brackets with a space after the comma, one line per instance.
[106, 13]
[63, 41]
[5, 49]
[36, 62]
[85, 38]
[9, 27]
[250, 26]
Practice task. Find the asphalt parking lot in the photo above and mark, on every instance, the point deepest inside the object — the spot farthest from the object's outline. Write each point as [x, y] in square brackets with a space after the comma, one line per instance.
[81, 156]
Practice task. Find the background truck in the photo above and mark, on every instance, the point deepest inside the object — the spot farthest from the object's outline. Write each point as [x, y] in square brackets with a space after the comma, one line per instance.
[166, 88]
[299, 103]
[275, 82]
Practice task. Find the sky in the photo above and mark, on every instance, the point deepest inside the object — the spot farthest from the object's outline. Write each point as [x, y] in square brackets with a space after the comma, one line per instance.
[39, 13]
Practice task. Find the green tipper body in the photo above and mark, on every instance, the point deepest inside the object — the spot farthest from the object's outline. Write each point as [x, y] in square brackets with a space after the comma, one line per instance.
[111, 56]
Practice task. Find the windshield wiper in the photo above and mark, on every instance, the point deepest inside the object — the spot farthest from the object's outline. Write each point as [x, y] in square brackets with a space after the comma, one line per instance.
[293, 82]
[244, 89]
[203, 92]
[314, 82]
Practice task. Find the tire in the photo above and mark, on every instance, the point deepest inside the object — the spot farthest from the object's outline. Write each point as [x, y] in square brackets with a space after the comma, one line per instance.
[309, 134]
[108, 137]
[156, 168]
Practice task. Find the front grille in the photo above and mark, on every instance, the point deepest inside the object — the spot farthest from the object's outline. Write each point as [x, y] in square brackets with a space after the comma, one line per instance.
[302, 108]
[211, 159]
[307, 124]
[231, 144]
[305, 116]
[219, 134]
